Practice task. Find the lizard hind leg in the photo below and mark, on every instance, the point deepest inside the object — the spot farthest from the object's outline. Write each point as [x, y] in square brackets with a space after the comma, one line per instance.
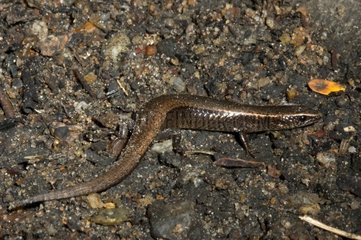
[244, 142]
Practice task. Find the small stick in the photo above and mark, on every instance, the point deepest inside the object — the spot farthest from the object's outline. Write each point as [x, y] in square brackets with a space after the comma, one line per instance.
[334, 59]
[329, 228]
[237, 163]
[6, 104]
[123, 88]
[205, 152]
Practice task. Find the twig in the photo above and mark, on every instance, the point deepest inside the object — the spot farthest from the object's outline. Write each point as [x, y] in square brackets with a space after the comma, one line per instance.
[238, 163]
[330, 229]
[122, 87]
[193, 152]
[334, 59]
[6, 105]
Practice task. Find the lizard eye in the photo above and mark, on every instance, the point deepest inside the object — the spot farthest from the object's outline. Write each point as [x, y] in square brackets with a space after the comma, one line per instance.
[303, 118]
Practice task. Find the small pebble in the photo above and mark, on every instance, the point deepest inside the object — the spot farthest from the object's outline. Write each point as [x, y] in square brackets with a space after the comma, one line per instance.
[117, 44]
[94, 201]
[51, 229]
[171, 220]
[61, 132]
[285, 38]
[355, 205]
[262, 82]
[352, 149]
[273, 171]
[162, 147]
[299, 50]
[90, 77]
[150, 50]
[39, 29]
[310, 209]
[326, 159]
[299, 36]
[177, 83]
[270, 22]
[292, 93]
[349, 129]
[52, 45]
[222, 184]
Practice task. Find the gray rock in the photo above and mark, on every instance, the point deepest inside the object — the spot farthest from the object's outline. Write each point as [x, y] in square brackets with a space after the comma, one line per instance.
[171, 220]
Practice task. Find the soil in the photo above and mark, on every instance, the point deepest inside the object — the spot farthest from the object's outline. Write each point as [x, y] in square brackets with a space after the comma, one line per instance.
[73, 75]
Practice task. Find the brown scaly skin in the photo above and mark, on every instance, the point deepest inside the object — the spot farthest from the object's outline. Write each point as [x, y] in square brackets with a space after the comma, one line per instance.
[186, 112]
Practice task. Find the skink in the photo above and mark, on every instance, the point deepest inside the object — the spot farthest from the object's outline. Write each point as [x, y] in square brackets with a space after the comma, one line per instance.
[185, 112]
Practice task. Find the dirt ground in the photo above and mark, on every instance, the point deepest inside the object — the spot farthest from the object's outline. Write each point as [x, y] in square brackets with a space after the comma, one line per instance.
[73, 75]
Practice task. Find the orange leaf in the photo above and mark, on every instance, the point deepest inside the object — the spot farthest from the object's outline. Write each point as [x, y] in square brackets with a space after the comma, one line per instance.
[324, 86]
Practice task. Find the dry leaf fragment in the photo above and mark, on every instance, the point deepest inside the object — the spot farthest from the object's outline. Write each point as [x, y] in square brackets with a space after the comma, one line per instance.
[325, 87]
[87, 27]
